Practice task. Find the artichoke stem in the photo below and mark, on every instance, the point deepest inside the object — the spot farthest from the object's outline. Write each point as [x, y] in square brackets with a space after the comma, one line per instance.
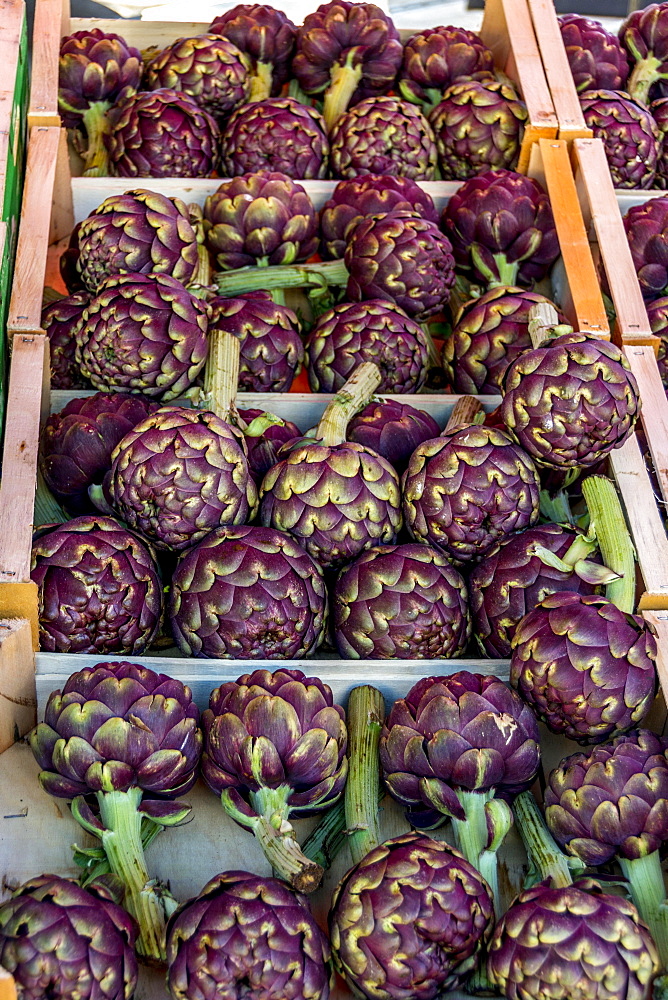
[614, 540]
[276, 836]
[557, 508]
[466, 411]
[643, 76]
[365, 714]
[540, 845]
[278, 295]
[202, 277]
[507, 271]
[434, 356]
[221, 376]
[648, 892]
[472, 837]
[47, 508]
[252, 279]
[326, 839]
[122, 842]
[97, 124]
[261, 82]
[342, 86]
[354, 395]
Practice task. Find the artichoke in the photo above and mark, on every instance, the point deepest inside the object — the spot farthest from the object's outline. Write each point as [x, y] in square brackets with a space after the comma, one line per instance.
[364, 195]
[393, 429]
[657, 313]
[267, 37]
[572, 941]
[659, 112]
[275, 747]
[346, 51]
[467, 489]
[162, 133]
[383, 135]
[264, 437]
[437, 57]
[99, 590]
[478, 126]
[277, 134]
[67, 943]
[272, 351]
[246, 935]
[501, 227]
[95, 71]
[208, 68]
[585, 667]
[76, 443]
[179, 474]
[260, 218]
[410, 920]
[248, 593]
[139, 231]
[646, 228]
[401, 258]
[570, 402]
[490, 332]
[67, 265]
[630, 136]
[60, 320]
[374, 330]
[143, 333]
[125, 738]
[644, 35]
[403, 602]
[596, 57]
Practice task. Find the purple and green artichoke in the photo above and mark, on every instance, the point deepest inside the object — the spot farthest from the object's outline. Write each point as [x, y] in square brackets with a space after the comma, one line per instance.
[272, 351]
[248, 593]
[644, 35]
[208, 68]
[411, 920]
[400, 602]
[247, 935]
[383, 135]
[393, 429]
[659, 112]
[275, 748]
[263, 439]
[478, 126]
[585, 667]
[276, 134]
[143, 333]
[436, 58]
[570, 402]
[76, 444]
[67, 943]
[267, 37]
[657, 313]
[368, 194]
[595, 55]
[646, 228]
[162, 133]
[346, 52]
[373, 330]
[99, 590]
[502, 229]
[60, 320]
[630, 135]
[178, 475]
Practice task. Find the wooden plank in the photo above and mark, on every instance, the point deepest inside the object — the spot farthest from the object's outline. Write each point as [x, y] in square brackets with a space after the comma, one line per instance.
[654, 412]
[7, 985]
[18, 702]
[659, 621]
[43, 106]
[12, 13]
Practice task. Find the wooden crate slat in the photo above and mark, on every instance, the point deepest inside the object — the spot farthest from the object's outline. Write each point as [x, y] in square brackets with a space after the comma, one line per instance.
[654, 412]
[47, 30]
[18, 702]
[12, 13]
[7, 985]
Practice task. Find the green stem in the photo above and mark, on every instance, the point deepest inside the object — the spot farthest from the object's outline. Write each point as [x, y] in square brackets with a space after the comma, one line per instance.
[326, 839]
[539, 843]
[342, 86]
[97, 124]
[648, 892]
[199, 286]
[644, 74]
[472, 838]
[614, 540]
[364, 716]
[435, 360]
[507, 271]
[47, 508]
[354, 395]
[221, 375]
[557, 508]
[250, 279]
[122, 842]
[261, 82]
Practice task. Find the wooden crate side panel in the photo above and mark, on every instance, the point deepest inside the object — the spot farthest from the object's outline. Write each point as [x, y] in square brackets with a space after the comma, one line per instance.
[18, 702]
[7, 986]
[46, 36]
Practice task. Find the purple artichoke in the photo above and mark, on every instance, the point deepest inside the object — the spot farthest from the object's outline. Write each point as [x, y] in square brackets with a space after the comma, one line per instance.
[364, 195]
[491, 332]
[143, 333]
[437, 57]
[646, 228]
[374, 330]
[346, 51]
[60, 320]
[501, 227]
[383, 135]
[67, 943]
[401, 258]
[596, 57]
[267, 37]
[393, 429]
[585, 667]
[264, 439]
[67, 265]
[261, 218]
[277, 134]
[659, 112]
[478, 126]
[629, 133]
[272, 351]
[208, 68]
[403, 602]
[162, 133]
[179, 474]
[410, 921]
[247, 935]
[657, 313]
[99, 588]
[139, 231]
[76, 444]
[644, 35]
[248, 593]
[465, 490]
